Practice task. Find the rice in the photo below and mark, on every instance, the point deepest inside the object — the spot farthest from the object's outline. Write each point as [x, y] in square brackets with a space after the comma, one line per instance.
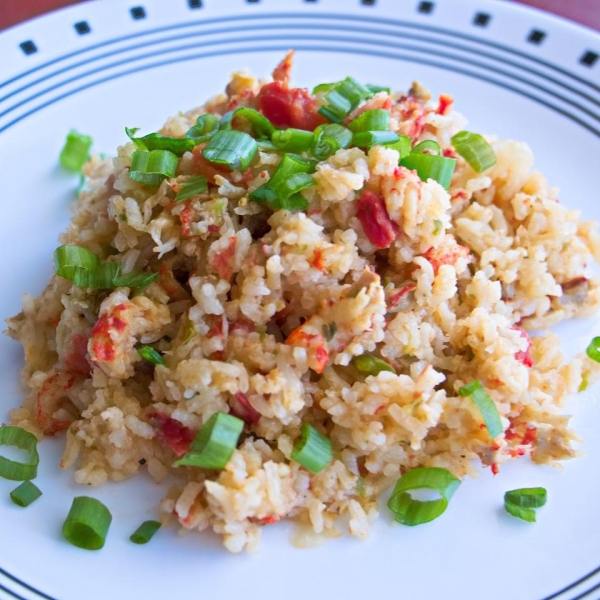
[260, 313]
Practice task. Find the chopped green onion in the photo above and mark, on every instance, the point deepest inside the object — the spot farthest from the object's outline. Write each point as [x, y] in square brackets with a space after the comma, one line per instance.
[100, 278]
[377, 88]
[281, 191]
[234, 149]
[25, 494]
[366, 139]
[140, 281]
[75, 152]
[329, 331]
[343, 99]
[145, 532]
[206, 126]
[328, 139]
[437, 226]
[486, 406]
[192, 187]
[151, 355]
[19, 438]
[593, 350]
[151, 167]
[261, 126]
[323, 88]
[377, 119]
[475, 150]
[292, 140]
[409, 511]
[428, 166]
[155, 141]
[371, 365]
[522, 502]
[266, 146]
[69, 259]
[313, 451]
[87, 524]
[215, 443]
[402, 146]
[427, 147]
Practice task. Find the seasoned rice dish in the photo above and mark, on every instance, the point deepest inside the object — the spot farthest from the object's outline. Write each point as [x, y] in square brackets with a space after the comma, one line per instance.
[344, 285]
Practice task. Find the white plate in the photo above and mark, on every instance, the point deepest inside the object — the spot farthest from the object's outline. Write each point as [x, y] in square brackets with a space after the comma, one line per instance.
[137, 71]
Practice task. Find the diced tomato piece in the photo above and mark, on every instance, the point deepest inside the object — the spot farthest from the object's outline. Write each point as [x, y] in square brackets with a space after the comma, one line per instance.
[378, 226]
[289, 107]
[75, 358]
[173, 433]
[206, 168]
[445, 102]
[524, 355]
[244, 410]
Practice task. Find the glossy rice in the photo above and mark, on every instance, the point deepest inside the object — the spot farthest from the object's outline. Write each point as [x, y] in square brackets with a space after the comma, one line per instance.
[242, 312]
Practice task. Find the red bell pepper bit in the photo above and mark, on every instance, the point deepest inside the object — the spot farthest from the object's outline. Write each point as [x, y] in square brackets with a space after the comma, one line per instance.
[173, 433]
[378, 226]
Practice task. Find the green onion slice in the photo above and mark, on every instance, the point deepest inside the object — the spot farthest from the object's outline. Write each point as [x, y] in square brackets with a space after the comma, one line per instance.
[328, 139]
[151, 355]
[522, 503]
[151, 167]
[486, 406]
[428, 166]
[377, 88]
[206, 126]
[323, 88]
[192, 187]
[145, 532]
[261, 126]
[155, 141]
[19, 438]
[87, 524]
[369, 364]
[366, 139]
[593, 350]
[134, 280]
[100, 278]
[410, 511]
[343, 99]
[313, 450]
[402, 146]
[76, 151]
[475, 150]
[215, 443]
[69, 259]
[427, 147]
[377, 119]
[292, 140]
[25, 494]
[231, 148]
[282, 190]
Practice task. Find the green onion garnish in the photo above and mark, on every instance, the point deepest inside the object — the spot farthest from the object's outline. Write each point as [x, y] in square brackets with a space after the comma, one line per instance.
[409, 511]
[366, 139]
[522, 503]
[87, 524]
[233, 149]
[19, 438]
[329, 331]
[377, 88]
[192, 187]
[343, 99]
[377, 119]
[25, 494]
[313, 450]
[151, 167]
[282, 190]
[100, 278]
[371, 365]
[206, 126]
[76, 151]
[427, 147]
[593, 350]
[155, 141]
[215, 443]
[145, 532]
[292, 140]
[140, 281]
[486, 406]
[261, 126]
[151, 355]
[323, 87]
[69, 259]
[428, 166]
[475, 150]
[328, 139]
[402, 146]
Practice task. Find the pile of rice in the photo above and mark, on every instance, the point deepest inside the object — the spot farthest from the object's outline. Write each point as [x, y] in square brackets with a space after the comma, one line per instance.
[238, 313]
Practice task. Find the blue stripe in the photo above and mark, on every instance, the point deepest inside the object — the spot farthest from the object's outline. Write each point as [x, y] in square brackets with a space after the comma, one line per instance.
[316, 26]
[367, 19]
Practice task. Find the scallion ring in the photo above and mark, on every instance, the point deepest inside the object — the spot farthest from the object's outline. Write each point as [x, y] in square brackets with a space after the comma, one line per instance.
[593, 349]
[343, 98]
[206, 126]
[521, 503]
[87, 524]
[261, 126]
[151, 167]
[377, 119]
[25, 494]
[366, 139]
[427, 147]
[145, 532]
[148, 353]
[214, 444]
[156, 141]
[475, 150]
[410, 511]
[231, 148]
[486, 406]
[369, 364]
[427, 166]
[76, 151]
[19, 438]
[313, 451]
[292, 140]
